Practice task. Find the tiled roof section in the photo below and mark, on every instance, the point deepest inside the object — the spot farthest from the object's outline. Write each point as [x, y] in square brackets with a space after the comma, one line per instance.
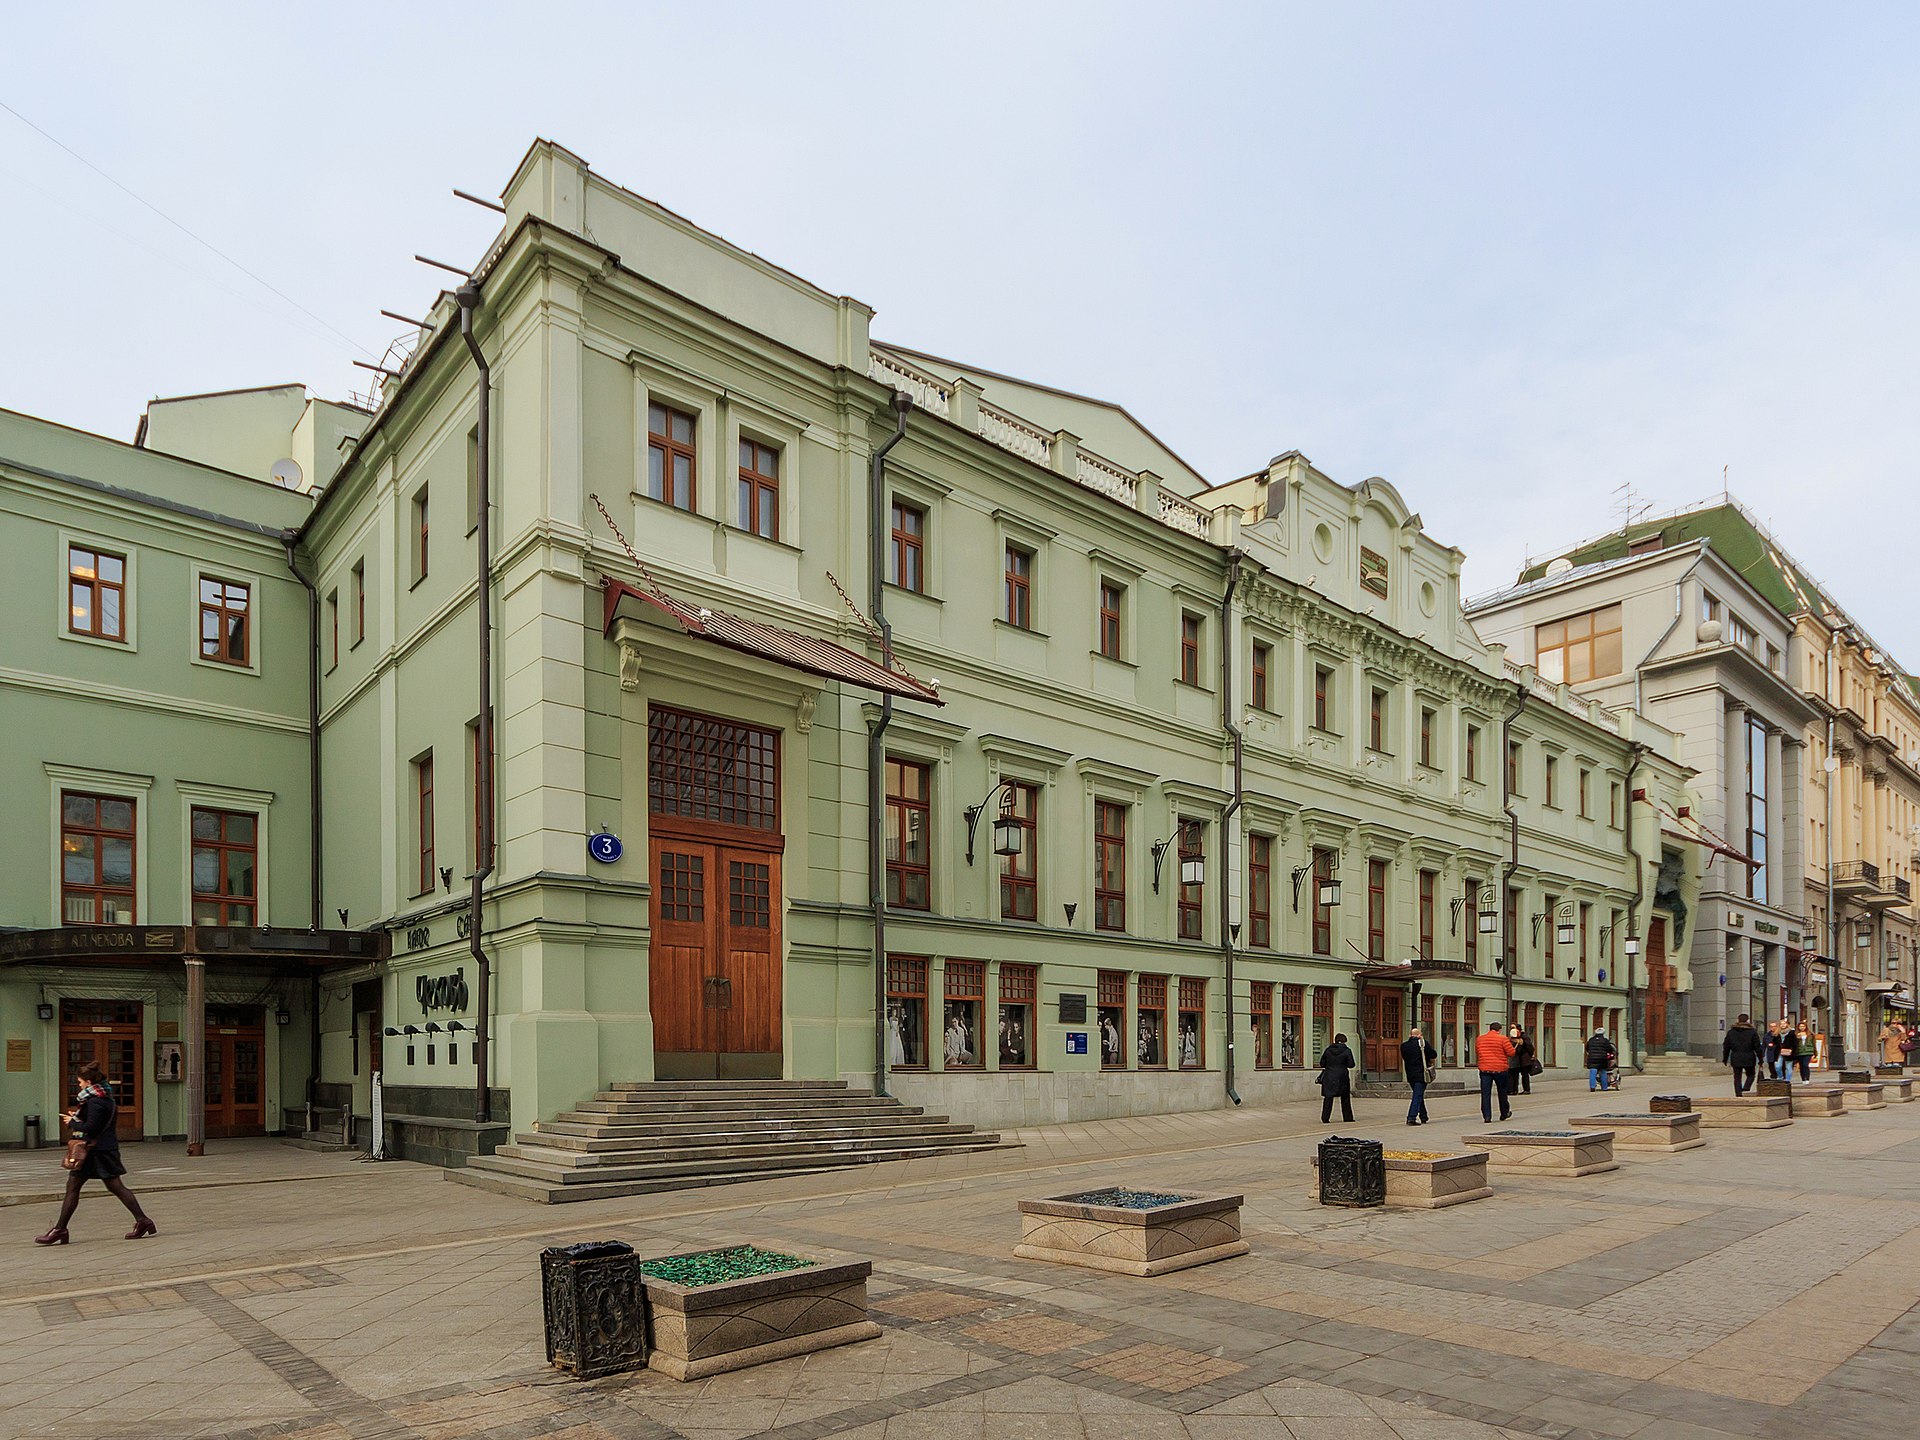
[771, 642]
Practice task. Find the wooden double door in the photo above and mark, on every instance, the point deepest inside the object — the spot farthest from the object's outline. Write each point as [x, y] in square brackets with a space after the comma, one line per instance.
[715, 859]
[1659, 988]
[236, 1084]
[108, 1033]
[1382, 1028]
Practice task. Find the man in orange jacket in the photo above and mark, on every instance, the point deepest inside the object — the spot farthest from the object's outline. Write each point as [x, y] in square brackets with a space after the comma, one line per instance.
[1494, 1052]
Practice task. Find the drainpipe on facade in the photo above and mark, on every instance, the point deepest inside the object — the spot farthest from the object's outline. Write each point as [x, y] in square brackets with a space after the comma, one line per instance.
[1227, 646]
[1634, 753]
[1833, 899]
[469, 297]
[313, 808]
[877, 735]
[1509, 942]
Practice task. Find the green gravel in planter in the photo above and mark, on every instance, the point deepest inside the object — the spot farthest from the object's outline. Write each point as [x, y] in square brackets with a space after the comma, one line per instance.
[713, 1267]
[1117, 1198]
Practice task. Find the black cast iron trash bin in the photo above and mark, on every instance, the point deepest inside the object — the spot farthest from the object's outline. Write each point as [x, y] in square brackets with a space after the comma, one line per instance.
[591, 1298]
[1352, 1171]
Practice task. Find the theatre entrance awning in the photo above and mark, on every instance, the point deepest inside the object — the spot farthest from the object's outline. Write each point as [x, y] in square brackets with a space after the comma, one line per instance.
[806, 653]
[1418, 970]
[283, 951]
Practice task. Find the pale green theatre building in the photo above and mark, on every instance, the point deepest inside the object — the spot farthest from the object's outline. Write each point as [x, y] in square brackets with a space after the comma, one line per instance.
[1176, 775]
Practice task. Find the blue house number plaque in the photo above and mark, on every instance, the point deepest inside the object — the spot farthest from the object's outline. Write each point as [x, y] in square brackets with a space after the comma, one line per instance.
[605, 847]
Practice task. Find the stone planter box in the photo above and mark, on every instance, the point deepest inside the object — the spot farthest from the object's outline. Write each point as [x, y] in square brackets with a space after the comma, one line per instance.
[1667, 1133]
[1744, 1112]
[1773, 1087]
[1427, 1180]
[1561, 1153]
[1817, 1102]
[1132, 1232]
[702, 1330]
[1899, 1092]
[1869, 1096]
[1669, 1105]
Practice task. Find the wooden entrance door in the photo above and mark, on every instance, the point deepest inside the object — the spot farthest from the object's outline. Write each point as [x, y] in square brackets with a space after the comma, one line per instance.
[1382, 1012]
[236, 1101]
[715, 851]
[1659, 987]
[109, 1034]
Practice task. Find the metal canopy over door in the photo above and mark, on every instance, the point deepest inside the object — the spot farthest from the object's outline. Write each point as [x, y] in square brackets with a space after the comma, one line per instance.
[714, 859]
[108, 1033]
[236, 1071]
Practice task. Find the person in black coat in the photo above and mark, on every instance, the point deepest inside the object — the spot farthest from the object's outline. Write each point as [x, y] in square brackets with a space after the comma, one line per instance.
[92, 1120]
[1416, 1058]
[1742, 1049]
[1336, 1080]
[1520, 1072]
[1600, 1057]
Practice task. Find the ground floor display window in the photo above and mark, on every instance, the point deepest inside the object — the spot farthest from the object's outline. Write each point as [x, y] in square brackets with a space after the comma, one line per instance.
[1449, 1042]
[1322, 1019]
[1111, 998]
[1293, 1019]
[1429, 1013]
[1548, 1038]
[966, 992]
[906, 1012]
[1472, 1026]
[1260, 1010]
[1151, 1051]
[1191, 1030]
[1018, 986]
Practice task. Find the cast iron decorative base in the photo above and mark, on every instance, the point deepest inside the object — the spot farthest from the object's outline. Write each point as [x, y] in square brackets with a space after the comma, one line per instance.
[595, 1318]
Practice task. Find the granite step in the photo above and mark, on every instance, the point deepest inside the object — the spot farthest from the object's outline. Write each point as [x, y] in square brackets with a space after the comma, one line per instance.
[739, 1154]
[621, 1141]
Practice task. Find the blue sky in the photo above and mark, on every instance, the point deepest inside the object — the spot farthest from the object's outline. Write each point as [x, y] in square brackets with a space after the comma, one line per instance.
[1508, 256]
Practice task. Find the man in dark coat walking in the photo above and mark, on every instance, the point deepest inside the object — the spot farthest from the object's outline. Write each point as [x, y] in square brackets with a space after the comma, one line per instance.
[1336, 1080]
[1742, 1049]
[1416, 1058]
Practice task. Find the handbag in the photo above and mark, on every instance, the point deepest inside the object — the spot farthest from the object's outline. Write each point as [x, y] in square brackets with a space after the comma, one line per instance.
[76, 1155]
[1534, 1067]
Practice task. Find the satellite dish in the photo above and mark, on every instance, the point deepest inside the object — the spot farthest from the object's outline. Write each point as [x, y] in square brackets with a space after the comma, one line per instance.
[286, 474]
[1559, 566]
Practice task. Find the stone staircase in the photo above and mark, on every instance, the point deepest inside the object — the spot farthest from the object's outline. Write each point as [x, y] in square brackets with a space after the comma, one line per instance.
[641, 1137]
[1677, 1064]
[1401, 1090]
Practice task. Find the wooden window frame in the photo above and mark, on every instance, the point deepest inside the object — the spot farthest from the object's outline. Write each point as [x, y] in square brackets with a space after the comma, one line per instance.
[1322, 931]
[1190, 624]
[1190, 922]
[1552, 783]
[1323, 697]
[1111, 599]
[1583, 793]
[1019, 568]
[422, 526]
[1110, 842]
[1516, 762]
[1293, 1006]
[1470, 892]
[1262, 694]
[901, 808]
[907, 555]
[1377, 880]
[1320, 1020]
[668, 447]
[1110, 993]
[1260, 891]
[423, 820]
[1259, 1008]
[1377, 721]
[1429, 884]
[1510, 930]
[1552, 950]
[333, 629]
[759, 488]
[965, 981]
[220, 608]
[229, 909]
[96, 586]
[1019, 987]
[1191, 1000]
[1472, 765]
[1022, 806]
[1573, 649]
[1427, 716]
[1586, 925]
[99, 833]
[1150, 998]
[907, 984]
[357, 588]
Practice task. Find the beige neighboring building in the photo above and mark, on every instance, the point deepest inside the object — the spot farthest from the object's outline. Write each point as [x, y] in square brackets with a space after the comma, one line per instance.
[1847, 841]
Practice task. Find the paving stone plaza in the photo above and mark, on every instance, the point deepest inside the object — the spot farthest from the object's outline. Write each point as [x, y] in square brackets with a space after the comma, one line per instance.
[1760, 1285]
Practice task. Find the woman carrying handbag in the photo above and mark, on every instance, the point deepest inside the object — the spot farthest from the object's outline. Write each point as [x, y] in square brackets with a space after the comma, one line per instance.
[93, 1153]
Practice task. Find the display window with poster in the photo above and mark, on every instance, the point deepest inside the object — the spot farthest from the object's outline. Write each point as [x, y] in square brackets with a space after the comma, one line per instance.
[906, 1012]
[1448, 1043]
[1260, 1013]
[1322, 1020]
[966, 997]
[1111, 1017]
[1151, 1050]
[1018, 987]
[1293, 1019]
[1190, 1031]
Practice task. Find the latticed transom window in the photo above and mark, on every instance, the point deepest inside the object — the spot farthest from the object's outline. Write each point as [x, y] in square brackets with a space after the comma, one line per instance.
[1019, 872]
[703, 768]
[1260, 891]
[749, 895]
[97, 859]
[909, 848]
[760, 489]
[96, 593]
[1109, 866]
[226, 621]
[225, 866]
[670, 456]
[1188, 911]
[683, 887]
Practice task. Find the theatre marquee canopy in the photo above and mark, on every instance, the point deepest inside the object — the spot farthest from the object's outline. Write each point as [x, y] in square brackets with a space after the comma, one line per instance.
[286, 951]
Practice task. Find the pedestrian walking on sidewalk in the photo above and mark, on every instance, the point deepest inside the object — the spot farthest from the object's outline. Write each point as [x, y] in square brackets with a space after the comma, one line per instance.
[1336, 1080]
[1494, 1054]
[1803, 1052]
[91, 1122]
[1524, 1066]
[1772, 1060]
[1599, 1057]
[1742, 1049]
[1417, 1057]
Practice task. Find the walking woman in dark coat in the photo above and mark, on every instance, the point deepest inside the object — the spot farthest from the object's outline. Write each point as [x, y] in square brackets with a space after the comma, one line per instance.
[92, 1120]
[1336, 1080]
